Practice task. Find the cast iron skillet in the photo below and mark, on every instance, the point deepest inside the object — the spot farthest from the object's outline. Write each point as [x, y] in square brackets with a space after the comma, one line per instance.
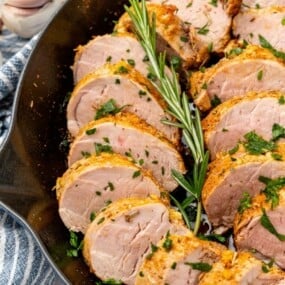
[32, 156]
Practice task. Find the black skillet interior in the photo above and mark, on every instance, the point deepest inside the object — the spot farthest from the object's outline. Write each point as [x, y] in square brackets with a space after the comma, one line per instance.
[33, 157]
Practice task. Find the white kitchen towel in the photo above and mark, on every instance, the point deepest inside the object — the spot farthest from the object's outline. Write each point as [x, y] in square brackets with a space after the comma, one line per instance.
[23, 261]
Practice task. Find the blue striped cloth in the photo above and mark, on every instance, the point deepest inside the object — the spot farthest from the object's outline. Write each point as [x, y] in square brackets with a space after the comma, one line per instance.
[23, 261]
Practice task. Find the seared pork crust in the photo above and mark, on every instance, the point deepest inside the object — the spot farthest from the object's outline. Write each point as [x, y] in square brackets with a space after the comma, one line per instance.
[173, 266]
[254, 69]
[130, 90]
[227, 124]
[250, 234]
[90, 183]
[248, 24]
[128, 135]
[235, 268]
[176, 37]
[131, 228]
[230, 177]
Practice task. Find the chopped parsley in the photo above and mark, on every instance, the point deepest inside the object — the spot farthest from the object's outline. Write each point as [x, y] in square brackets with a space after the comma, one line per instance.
[85, 154]
[278, 132]
[153, 248]
[109, 281]
[175, 61]
[109, 108]
[283, 22]
[136, 174]
[122, 70]
[233, 150]
[266, 223]
[281, 100]
[272, 188]
[255, 144]
[92, 216]
[260, 75]
[214, 3]
[167, 244]
[91, 131]
[245, 202]
[76, 245]
[184, 39]
[265, 44]
[99, 148]
[215, 101]
[203, 30]
[131, 62]
[201, 266]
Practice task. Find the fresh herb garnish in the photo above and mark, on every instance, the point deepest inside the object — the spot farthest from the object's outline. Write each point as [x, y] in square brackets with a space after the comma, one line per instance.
[259, 75]
[278, 132]
[281, 100]
[203, 30]
[213, 237]
[255, 144]
[272, 188]
[201, 266]
[266, 267]
[109, 108]
[153, 248]
[76, 245]
[215, 101]
[136, 174]
[110, 281]
[265, 44]
[266, 223]
[214, 3]
[91, 132]
[178, 107]
[245, 202]
[99, 148]
[167, 244]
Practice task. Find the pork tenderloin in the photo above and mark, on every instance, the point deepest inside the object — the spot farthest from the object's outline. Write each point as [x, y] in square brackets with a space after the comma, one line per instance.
[108, 48]
[175, 265]
[129, 90]
[251, 234]
[230, 177]
[254, 69]
[128, 135]
[250, 24]
[90, 183]
[122, 235]
[175, 37]
[211, 21]
[235, 268]
[228, 123]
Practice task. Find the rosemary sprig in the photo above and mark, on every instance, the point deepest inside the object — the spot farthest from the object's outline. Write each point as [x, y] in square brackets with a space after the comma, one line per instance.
[178, 106]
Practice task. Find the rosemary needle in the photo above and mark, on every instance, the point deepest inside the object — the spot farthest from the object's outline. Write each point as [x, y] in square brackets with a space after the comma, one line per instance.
[178, 106]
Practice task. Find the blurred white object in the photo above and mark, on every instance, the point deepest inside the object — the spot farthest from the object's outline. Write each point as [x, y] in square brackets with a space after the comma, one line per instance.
[28, 17]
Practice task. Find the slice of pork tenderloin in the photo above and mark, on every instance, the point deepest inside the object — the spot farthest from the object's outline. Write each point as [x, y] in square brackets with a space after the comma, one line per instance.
[128, 135]
[260, 228]
[253, 69]
[176, 260]
[211, 21]
[175, 37]
[250, 24]
[121, 86]
[261, 3]
[90, 183]
[122, 235]
[228, 123]
[232, 177]
[235, 268]
[109, 48]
